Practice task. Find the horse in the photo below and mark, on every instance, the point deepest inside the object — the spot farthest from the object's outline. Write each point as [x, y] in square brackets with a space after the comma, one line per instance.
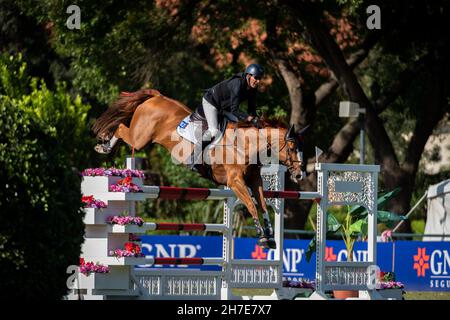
[146, 116]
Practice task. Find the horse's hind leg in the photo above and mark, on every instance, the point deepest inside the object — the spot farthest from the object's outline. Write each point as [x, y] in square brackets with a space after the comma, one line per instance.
[122, 132]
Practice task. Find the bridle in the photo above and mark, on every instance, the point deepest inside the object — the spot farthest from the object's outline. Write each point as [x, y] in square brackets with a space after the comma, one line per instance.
[297, 138]
[289, 152]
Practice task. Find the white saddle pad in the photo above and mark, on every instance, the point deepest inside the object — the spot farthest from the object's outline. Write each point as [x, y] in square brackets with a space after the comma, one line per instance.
[192, 131]
[189, 130]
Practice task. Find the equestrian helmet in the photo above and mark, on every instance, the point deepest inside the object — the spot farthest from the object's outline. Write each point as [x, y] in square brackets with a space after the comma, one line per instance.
[255, 70]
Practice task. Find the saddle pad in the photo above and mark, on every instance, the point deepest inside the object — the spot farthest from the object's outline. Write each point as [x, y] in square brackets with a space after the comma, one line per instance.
[193, 132]
[189, 131]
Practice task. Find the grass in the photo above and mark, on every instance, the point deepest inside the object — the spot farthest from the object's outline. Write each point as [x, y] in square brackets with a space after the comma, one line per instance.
[419, 295]
[412, 295]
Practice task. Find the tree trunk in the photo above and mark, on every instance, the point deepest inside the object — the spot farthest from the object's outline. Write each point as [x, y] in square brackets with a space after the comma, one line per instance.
[436, 104]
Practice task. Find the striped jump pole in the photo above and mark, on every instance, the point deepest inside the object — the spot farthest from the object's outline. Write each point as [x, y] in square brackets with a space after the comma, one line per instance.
[178, 193]
[188, 261]
[154, 226]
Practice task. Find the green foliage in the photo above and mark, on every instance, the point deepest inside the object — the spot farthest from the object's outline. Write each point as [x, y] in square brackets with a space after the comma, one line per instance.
[418, 226]
[41, 228]
[129, 45]
[354, 225]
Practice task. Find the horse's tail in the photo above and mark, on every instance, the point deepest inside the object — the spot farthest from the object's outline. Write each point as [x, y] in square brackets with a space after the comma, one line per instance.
[121, 111]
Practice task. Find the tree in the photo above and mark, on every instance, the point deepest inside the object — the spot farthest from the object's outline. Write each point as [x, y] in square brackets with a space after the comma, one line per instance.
[431, 54]
[41, 221]
[316, 53]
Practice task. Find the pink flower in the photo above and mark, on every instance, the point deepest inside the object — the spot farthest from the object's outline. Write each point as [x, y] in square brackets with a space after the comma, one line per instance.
[89, 267]
[386, 236]
[125, 185]
[90, 202]
[131, 250]
[113, 172]
[124, 220]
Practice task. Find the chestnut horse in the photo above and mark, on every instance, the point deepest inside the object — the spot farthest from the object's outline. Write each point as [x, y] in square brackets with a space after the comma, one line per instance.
[146, 116]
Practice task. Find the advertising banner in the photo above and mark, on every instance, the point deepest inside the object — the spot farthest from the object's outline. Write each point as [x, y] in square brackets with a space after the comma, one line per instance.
[420, 266]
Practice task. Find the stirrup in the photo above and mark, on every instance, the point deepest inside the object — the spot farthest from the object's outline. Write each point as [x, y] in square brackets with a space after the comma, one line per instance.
[195, 168]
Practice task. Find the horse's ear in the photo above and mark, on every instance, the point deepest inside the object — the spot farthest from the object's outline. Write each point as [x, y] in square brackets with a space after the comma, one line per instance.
[302, 131]
[290, 135]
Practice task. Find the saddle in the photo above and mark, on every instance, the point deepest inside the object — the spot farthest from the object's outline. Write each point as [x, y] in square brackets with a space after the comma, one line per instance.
[192, 129]
[195, 125]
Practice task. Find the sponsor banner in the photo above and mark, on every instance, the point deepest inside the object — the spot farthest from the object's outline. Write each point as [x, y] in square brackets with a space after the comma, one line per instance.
[420, 266]
[182, 247]
[423, 266]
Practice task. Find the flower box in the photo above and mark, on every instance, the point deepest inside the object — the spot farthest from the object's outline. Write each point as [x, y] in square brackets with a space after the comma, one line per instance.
[396, 294]
[124, 196]
[122, 261]
[117, 278]
[95, 216]
[125, 229]
[97, 185]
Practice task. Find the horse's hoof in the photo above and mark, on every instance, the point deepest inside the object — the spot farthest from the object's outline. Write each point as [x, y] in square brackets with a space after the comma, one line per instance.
[271, 243]
[263, 242]
[100, 148]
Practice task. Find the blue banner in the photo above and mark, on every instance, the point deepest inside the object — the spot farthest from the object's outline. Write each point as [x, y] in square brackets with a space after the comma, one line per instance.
[420, 266]
[423, 266]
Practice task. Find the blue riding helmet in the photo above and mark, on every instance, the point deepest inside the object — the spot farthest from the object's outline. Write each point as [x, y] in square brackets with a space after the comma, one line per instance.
[256, 70]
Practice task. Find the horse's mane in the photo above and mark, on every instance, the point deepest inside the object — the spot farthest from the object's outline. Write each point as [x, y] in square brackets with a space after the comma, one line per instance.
[273, 123]
[266, 123]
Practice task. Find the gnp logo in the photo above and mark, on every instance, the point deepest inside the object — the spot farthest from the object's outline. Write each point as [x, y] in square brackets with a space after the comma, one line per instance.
[341, 255]
[170, 250]
[438, 262]
[292, 258]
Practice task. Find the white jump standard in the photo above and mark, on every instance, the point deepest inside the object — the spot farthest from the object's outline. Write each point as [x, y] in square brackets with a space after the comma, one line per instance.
[337, 184]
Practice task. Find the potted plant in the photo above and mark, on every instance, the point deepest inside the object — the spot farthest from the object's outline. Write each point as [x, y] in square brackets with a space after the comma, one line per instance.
[353, 227]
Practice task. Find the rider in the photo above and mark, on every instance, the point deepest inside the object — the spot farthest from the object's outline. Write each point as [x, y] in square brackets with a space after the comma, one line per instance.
[226, 97]
[228, 94]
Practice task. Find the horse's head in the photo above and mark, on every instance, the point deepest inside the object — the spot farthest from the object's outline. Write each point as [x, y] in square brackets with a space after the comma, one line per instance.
[292, 148]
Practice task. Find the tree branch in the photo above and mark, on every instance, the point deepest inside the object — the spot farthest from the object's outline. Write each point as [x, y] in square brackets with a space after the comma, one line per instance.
[324, 43]
[326, 89]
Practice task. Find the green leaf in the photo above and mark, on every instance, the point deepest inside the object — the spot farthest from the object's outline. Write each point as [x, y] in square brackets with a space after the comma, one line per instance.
[389, 218]
[360, 227]
[386, 197]
[359, 212]
[311, 248]
[333, 225]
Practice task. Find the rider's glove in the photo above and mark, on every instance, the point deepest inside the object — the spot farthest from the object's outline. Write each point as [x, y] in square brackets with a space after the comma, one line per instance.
[255, 121]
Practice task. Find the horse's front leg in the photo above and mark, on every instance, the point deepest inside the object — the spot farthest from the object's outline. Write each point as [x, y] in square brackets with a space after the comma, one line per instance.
[237, 184]
[256, 185]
